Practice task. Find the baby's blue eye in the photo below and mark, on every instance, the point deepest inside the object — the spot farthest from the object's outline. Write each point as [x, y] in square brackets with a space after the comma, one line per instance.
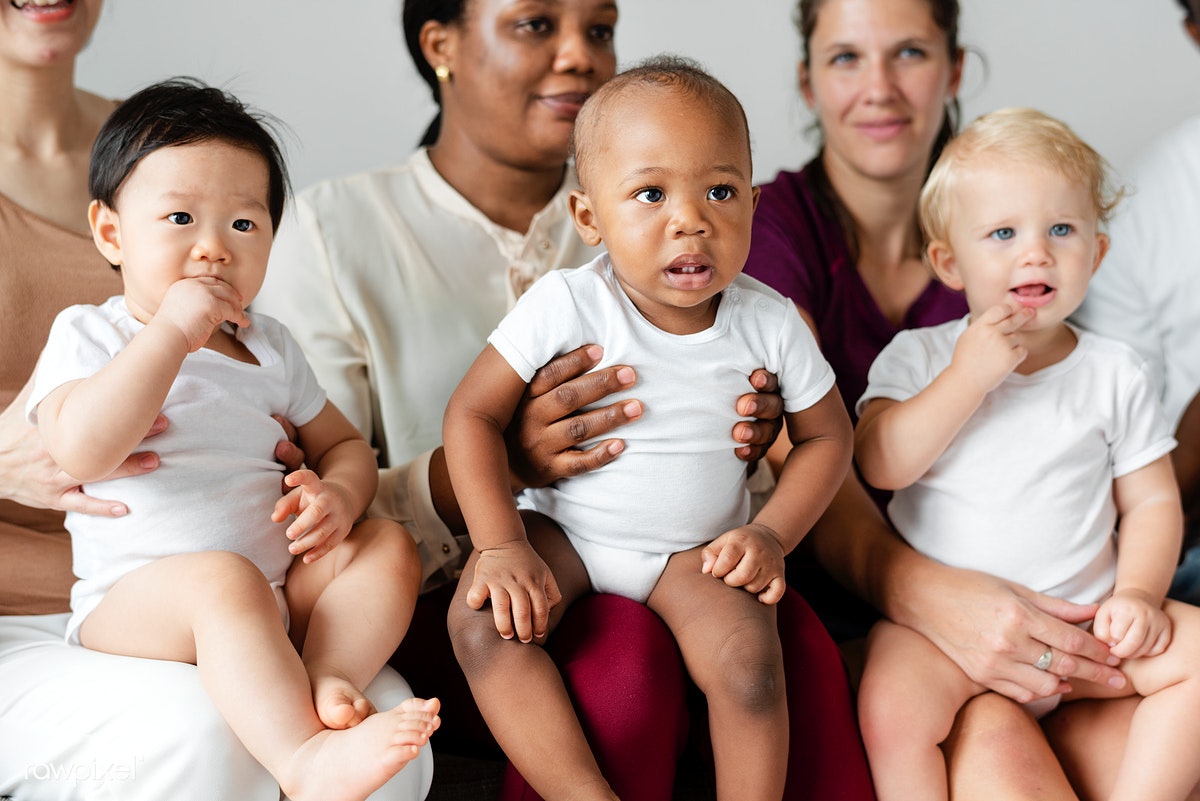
[243, 225]
[720, 193]
[651, 194]
[1060, 229]
[180, 217]
[1003, 234]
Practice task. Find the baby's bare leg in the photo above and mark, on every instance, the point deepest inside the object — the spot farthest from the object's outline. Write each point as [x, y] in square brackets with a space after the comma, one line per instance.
[1162, 756]
[907, 702]
[350, 610]
[730, 645]
[518, 687]
[997, 752]
[216, 610]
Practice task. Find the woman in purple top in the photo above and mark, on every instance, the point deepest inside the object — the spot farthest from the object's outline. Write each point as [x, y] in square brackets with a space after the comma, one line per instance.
[841, 239]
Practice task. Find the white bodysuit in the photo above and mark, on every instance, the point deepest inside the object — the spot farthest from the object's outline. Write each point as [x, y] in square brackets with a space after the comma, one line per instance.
[678, 483]
[1025, 490]
[218, 479]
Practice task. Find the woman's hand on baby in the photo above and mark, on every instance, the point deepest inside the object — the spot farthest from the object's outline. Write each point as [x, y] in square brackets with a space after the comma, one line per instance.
[324, 514]
[521, 588]
[990, 349]
[995, 631]
[750, 557]
[765, 405]
[196, 306]
[30, 477]
[547, 427]
[1133, 625]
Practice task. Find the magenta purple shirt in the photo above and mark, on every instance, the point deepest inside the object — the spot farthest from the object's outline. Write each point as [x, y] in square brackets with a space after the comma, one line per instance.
[801, 251]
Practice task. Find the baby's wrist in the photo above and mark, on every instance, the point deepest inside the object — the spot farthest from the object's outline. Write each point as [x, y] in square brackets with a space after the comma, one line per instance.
[1137, 594]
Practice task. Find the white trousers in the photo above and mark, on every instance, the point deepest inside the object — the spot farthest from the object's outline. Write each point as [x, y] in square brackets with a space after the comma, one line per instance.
[79, 725]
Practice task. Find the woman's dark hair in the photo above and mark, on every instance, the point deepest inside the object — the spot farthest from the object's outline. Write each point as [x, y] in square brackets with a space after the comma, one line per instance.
[945, 16]
[182, 111]
[414, 16]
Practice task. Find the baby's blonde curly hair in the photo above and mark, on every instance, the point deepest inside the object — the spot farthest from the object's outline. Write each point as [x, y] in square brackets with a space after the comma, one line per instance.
[1020, 136]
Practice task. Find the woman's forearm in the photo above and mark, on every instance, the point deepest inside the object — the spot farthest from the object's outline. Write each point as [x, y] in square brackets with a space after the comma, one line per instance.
[855, 545]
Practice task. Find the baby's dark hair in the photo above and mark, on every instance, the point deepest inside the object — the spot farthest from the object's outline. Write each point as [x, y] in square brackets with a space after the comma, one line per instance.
[664, 72]
[182, 111]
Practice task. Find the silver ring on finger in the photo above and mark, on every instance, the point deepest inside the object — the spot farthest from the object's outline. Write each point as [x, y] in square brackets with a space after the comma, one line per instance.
[1043, 661]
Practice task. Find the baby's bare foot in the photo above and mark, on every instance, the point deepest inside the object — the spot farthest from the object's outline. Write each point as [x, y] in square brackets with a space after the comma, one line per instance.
[338, 702]
[350, 764]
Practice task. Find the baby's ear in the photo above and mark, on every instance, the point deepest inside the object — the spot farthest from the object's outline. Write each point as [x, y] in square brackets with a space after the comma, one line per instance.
[1102, 242]
[584, 217]
[106, 231]
[940, 257]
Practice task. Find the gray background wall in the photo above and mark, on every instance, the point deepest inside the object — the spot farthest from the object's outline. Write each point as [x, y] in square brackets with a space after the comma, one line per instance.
[337, 72]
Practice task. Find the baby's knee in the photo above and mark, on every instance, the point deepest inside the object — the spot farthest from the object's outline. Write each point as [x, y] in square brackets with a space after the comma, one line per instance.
[223, 579]
[749, 671]
[474, 637]
[386, 542]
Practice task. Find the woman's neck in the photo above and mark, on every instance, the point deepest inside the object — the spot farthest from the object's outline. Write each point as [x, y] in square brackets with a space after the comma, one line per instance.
[884, 212]
[889, 244]
[47, 127]
[42, 114]
[507, 194]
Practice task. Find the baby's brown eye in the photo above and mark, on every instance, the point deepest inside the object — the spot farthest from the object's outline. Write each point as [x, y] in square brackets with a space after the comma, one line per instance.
[243, 225]
[179, 217]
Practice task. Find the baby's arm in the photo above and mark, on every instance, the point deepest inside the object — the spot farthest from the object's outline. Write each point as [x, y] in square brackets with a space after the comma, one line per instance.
[1132, 621]
[751, 556]
[508, 570]
[896, 442]
[90, 426]
[330, 497]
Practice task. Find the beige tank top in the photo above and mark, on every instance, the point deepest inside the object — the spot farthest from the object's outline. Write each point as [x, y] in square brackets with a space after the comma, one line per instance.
[43, 269]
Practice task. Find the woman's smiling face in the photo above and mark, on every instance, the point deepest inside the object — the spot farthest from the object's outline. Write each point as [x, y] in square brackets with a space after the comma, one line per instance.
[878, 75]
[38, 32]
[520, 71]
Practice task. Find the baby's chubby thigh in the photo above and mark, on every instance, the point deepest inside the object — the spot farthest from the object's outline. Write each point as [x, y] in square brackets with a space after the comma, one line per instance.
[910, 691]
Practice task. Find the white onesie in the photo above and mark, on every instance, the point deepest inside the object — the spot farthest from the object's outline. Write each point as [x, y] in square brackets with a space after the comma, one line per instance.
[1025, 491]
[678, 483]
[218, 479]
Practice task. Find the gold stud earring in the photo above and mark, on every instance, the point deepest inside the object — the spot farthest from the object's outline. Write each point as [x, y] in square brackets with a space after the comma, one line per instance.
[442, 72]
